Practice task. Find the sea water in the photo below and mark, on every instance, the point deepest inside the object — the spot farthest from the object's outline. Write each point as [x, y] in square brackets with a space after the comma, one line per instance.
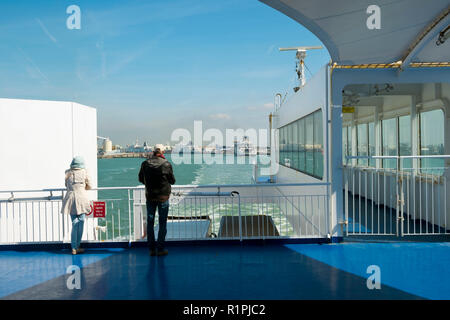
[123, 172]
[229, 169]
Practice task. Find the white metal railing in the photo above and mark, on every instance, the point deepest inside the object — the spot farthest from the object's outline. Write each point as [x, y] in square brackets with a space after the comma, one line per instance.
[196, 213]
[409, 201]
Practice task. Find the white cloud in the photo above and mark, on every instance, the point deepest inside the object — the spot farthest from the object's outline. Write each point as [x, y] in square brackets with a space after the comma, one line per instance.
[32, 69]
[220, 116]
[265, 106]
[45, 30]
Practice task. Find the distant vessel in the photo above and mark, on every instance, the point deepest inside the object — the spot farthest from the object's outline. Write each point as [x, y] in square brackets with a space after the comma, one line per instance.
[245, 148]
[186, 148]
[227, 150]
[212, 150]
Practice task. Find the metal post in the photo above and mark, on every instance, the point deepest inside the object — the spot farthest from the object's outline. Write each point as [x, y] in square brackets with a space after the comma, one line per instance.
[240, 218]
[118, 213]
[346, 200]
[233, 193]
[129, 218]
[112, 222]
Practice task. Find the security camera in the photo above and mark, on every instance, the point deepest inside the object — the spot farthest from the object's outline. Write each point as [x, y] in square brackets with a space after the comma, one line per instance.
[443, 35]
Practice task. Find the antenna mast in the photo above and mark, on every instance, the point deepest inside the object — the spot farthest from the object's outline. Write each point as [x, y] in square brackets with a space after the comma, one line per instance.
[300, 69]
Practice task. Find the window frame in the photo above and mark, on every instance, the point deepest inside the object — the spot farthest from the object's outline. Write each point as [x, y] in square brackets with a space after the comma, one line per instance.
[358, 162]
[299, 121]
[419, 137]
[345, 147]
[396, 142]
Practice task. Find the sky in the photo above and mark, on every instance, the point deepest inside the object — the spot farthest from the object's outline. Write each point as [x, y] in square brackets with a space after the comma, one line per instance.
[150, 67]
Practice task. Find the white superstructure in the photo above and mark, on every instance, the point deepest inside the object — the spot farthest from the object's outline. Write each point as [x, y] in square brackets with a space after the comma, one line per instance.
[38, 140]
[375, 121]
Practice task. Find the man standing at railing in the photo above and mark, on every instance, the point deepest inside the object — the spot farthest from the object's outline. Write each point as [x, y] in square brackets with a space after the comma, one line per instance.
[157, 175]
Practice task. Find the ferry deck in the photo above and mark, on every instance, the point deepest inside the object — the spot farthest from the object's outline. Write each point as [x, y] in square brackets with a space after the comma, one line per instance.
[410, 270]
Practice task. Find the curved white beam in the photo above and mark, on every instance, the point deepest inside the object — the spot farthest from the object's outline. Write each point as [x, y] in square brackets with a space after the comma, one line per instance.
[441, 22]
[343, 28]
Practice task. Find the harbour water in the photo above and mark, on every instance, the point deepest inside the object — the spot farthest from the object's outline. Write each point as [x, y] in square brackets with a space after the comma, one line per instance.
[123, 172]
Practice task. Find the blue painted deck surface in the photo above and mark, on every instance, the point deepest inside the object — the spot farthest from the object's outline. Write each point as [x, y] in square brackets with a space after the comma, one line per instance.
[216, 272]
[417, 268]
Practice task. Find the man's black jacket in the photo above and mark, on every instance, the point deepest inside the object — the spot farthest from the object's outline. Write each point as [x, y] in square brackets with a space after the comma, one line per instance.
[157, 175]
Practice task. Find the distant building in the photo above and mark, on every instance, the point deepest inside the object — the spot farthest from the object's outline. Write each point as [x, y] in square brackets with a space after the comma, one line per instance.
[137, 148]
[147, 147]
[163, 147]
[107, 145]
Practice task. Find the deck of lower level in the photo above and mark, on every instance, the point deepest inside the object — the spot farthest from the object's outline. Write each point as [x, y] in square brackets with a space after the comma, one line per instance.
[215, 272]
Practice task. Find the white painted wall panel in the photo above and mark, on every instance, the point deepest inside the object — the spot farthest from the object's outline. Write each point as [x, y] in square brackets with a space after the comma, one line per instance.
[307, 100]
[38, 140]
[84, 128]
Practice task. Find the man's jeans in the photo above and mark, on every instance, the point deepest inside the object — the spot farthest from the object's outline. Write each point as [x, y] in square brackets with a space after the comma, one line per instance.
[163, 212]
[77, 229]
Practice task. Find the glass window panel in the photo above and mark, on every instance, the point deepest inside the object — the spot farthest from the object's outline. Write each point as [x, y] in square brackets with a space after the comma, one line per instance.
[289, 144]
[362, 143]
[389, 142]
[309, 144]
[318, 144]
[372, 162]
[285, 145]
[349, 143]
[301, 141]
[280, 142]
[404, 142]
[301, 144]
[294, 163]
[282, 145]
[344, 145]
[432, 139]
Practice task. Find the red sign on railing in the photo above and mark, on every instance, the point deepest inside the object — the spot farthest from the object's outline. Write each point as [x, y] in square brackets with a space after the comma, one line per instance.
[99, 209]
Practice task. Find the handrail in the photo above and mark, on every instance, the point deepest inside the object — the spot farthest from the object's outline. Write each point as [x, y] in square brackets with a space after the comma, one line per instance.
[205, 194]
[273, 215]
[398, 157]
[184, 187]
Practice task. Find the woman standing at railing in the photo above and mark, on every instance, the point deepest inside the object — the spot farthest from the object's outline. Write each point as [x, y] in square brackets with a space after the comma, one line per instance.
[76, 202]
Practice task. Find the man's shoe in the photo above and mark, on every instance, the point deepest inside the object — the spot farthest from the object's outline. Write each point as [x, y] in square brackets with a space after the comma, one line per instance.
[153, 252]
[163, 252]
[80, 250]
[74, 251]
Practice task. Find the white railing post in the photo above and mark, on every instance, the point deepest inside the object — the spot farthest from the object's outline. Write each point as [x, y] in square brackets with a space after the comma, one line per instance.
[129, 218]
[233, 193]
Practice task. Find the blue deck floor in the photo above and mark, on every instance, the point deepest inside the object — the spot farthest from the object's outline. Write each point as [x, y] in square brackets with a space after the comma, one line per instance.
[215, 272]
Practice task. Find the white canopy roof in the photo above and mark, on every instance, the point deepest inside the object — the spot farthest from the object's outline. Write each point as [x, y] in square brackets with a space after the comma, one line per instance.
[409, 29]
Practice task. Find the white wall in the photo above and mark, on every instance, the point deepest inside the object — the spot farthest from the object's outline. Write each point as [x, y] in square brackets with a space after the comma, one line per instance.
[38, 140]
[85, 137]
[307, 100]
